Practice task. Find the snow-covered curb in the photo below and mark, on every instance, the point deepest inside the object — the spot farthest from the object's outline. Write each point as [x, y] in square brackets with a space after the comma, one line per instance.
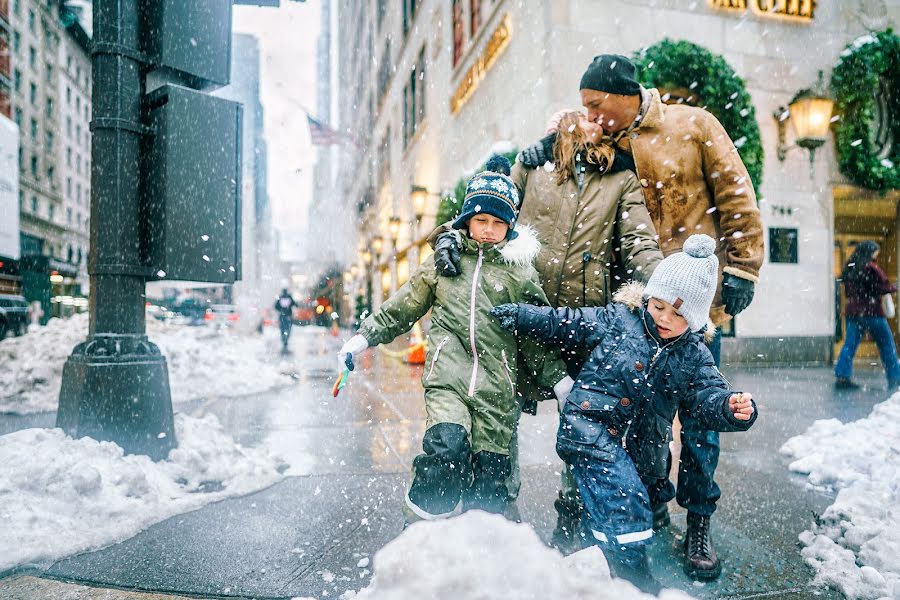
[478, 556]
[201, 362]
[60, 496]
[855, 544]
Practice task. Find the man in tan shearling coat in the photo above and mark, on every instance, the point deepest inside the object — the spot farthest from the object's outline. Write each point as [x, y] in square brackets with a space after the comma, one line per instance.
[693, 181]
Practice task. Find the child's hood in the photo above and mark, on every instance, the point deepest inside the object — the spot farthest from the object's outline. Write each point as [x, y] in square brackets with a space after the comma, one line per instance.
[520, 252]
[632, 295]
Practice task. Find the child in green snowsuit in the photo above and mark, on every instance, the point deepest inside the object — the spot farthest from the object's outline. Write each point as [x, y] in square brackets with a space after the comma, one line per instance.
[472, 362]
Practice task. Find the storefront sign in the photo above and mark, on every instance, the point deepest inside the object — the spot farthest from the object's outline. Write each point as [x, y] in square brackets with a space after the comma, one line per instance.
[496, 45]
[782, 245]
[803, 10]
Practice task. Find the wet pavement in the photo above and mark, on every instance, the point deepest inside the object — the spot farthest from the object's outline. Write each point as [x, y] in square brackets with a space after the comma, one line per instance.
[350, 460]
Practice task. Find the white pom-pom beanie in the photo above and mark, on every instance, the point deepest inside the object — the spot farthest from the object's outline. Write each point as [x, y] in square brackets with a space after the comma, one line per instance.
[687, 280]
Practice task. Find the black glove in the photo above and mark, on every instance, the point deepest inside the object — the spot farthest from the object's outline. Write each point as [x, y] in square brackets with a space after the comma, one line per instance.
[737, 293]
[446, 255]
[540, 152]
[507, 314]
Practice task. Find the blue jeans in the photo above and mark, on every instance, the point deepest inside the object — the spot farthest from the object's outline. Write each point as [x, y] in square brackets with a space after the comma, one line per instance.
[881, 333]
[697, 491]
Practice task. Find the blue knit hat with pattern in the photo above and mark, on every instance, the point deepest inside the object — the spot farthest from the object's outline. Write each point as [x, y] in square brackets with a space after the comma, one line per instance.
[491, 192]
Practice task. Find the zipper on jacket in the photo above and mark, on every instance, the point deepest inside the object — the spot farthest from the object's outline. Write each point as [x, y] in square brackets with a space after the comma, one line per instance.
[472, 321]
[585, 259]
[434, 358]
[508, 372]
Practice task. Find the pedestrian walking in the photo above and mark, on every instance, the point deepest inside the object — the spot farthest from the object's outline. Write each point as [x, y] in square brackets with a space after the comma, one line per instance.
[472, 362]
[285, 305]
[647, 360]
[865, 284]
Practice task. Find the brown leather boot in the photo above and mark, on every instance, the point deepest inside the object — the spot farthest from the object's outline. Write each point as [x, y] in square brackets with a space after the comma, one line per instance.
[700, 560]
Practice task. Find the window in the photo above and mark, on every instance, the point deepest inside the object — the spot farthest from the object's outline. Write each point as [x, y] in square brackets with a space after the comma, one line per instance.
[32, 57]
[34, 166]
[48, 140]
[69, 127]
[32, 93]
[69, 187]
[18, 117]
[78, 103]
[48, 69]
[459, 31]
[78, 164]
[414, 100]
[34, 204]
[78, 134]
[474, 17]
[51, 211]
[34, 129]
[69, 156]
[32, 21]
[68, 95]
[49, 108]
[15, 7]
[17, 41]
[409, 14]
[69, 221]
[384, 70]
[79, 224]
[382, 10]
[51, 172]
[78, 192]
[17, 80]
[69, 64]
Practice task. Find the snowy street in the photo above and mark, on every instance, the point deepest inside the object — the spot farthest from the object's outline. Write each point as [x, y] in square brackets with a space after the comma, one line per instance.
[315, 532]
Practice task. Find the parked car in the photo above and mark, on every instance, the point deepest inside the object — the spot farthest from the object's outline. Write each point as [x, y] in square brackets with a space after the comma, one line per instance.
[221, 315]
[15, 315]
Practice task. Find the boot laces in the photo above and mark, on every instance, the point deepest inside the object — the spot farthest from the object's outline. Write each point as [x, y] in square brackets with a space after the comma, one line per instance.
[699, 542]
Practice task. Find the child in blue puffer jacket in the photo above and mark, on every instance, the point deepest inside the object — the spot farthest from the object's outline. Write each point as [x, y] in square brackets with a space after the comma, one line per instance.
[647, 361]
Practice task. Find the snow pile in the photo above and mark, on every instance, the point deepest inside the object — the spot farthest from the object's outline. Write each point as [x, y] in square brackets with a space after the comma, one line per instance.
[482, 556]
[60, 496]
[855, 545]
[202, 362]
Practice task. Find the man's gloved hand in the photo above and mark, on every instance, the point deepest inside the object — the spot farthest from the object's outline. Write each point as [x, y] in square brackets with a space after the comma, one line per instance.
[446, 254]
[507, 314]
[354, 346]
[562, 389]
[540, 152]
[737, 293]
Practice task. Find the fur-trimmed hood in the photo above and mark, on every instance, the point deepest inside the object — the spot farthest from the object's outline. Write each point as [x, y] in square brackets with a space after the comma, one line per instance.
[632, 295]
[519, 252]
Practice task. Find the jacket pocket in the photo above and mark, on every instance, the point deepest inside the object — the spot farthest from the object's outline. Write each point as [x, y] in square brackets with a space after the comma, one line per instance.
[651, 452]
[507, 371]
[583, 430]
[437, 352]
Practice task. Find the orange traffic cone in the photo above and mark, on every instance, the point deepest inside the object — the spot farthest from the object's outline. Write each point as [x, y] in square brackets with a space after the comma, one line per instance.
[334, 328]
[416, 354]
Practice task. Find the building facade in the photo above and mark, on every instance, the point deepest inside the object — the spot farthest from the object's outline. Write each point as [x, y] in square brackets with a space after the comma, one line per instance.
[436, 87]
[50, 76]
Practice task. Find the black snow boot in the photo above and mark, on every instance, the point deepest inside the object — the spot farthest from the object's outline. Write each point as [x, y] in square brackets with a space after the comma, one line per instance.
[661, 518]
[636, 572]
[567, 535]
[488, 491]
[442, 472]
[700, 560]
[845, 383]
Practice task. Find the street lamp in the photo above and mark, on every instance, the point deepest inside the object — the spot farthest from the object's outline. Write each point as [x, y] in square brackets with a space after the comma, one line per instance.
[810, 114]
[378, 245]
[354, 271]
[366, 257]
[419, 196]
[394, 224]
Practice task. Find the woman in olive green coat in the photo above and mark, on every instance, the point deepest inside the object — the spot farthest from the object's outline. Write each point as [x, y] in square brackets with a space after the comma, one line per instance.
[472, 363]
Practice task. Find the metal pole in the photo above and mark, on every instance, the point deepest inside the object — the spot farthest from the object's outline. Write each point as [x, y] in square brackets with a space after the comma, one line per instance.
[115, 385]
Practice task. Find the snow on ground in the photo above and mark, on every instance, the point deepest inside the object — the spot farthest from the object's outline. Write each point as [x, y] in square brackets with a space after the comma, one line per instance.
[855, 544]
[202, 362]
[479, 556]
[60, 496]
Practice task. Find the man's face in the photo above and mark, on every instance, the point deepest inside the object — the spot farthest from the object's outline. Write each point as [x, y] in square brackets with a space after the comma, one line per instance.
[613, 112]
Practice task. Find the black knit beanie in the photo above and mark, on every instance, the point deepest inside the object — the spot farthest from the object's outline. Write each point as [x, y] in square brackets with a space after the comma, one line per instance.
[611, 73]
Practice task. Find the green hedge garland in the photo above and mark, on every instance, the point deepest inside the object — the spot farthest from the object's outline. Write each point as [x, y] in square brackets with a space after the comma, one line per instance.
[857, 75]
[451, 206]
[682, 64]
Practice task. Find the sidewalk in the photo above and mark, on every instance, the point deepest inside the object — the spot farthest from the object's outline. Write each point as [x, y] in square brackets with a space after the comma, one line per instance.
[350, 457]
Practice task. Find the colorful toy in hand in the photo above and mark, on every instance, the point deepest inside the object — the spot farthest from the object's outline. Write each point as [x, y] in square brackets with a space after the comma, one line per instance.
[343, 375]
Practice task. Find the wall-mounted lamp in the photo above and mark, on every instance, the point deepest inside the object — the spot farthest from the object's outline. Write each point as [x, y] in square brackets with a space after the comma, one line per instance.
[394, 224]
[366, 257]
[810, 115]
[377, 244]
[419, 195]
[354, 270]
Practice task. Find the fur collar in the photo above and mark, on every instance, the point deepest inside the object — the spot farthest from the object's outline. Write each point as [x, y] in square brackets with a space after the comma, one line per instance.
[520, 252]
[656, 112]
[632, 295]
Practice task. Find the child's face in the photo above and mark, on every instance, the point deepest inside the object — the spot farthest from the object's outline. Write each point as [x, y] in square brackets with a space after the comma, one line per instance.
[669, 324]
[487, 229]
